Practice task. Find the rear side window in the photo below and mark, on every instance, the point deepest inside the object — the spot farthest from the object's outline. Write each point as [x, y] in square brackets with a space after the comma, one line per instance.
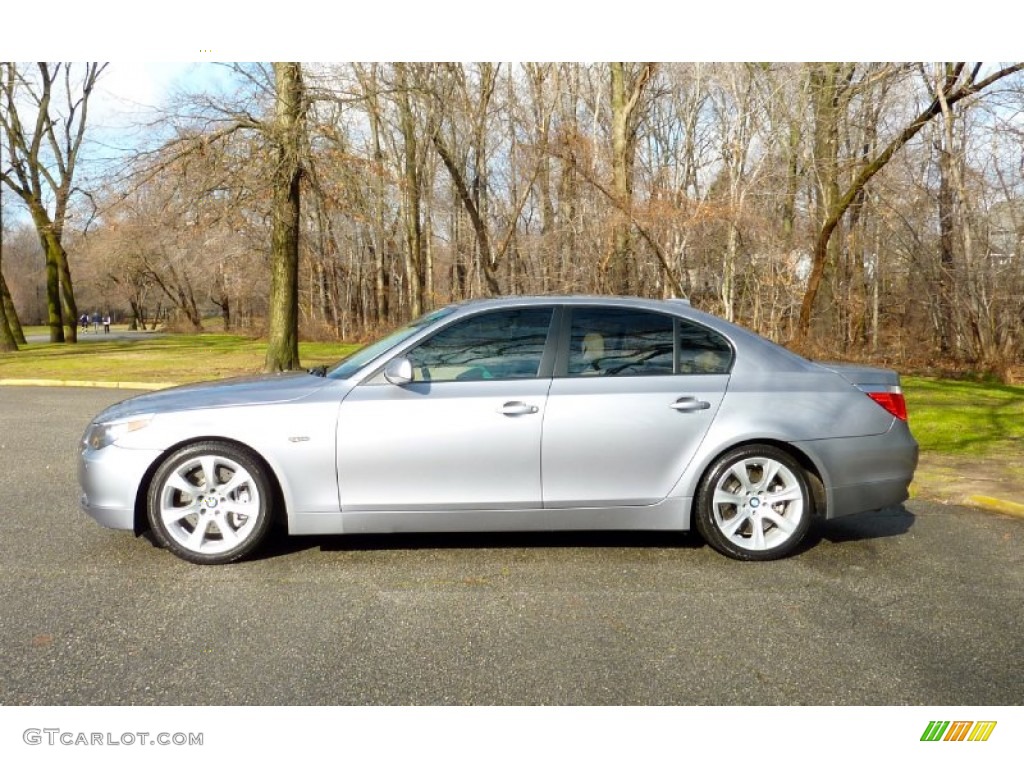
[627, 342]
[702, 350]
[620, 342]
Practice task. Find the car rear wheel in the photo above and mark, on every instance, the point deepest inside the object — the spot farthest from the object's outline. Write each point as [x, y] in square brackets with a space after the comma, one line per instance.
[210, 503]
[754, 503]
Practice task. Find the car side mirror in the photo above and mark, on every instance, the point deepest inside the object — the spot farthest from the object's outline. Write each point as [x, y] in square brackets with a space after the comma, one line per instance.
[398, 371]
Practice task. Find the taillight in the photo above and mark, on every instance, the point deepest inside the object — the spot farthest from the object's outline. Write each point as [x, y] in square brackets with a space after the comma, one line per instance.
[893, 402]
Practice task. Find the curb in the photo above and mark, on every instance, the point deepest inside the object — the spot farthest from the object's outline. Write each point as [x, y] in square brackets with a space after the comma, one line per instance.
[151, 385]
[997, 505]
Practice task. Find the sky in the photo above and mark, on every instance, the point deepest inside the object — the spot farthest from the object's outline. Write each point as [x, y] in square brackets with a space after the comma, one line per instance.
[130, 95]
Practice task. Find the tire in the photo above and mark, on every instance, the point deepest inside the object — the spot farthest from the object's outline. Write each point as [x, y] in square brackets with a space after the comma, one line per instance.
[210, 523]
[754, 503]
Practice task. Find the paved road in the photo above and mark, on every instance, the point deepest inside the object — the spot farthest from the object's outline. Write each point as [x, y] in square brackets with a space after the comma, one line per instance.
[116, 334]
[922, 605]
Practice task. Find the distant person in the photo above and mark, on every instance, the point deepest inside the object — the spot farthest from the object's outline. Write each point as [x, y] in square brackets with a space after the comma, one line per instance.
[84, 321]
[96, 322]
[106, 323]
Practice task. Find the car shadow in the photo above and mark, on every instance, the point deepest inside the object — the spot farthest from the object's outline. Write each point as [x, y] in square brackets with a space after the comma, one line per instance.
[892, 521]
[281, 545]
[885, 523]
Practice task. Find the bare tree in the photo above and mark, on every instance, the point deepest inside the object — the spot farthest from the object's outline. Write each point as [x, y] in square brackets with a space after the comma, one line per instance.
[960, 83]
[42, 159]
[432, 182]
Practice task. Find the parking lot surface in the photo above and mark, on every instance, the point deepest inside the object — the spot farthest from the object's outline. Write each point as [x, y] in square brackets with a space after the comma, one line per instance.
[922, 604]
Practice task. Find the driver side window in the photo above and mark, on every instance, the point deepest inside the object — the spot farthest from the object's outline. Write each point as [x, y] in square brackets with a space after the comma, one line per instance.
[497, 345]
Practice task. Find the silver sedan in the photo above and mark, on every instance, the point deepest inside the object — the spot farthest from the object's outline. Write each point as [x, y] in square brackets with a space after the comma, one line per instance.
[513, 414]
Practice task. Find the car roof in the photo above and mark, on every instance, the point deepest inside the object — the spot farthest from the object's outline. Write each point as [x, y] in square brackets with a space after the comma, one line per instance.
[586, 299]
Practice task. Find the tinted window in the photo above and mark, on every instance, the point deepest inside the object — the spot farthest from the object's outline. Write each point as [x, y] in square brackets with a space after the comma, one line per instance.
[496, 345]
[620, 342]
[701, 350]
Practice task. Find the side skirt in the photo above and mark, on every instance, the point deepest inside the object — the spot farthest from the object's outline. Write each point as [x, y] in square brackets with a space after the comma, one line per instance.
[668, 515]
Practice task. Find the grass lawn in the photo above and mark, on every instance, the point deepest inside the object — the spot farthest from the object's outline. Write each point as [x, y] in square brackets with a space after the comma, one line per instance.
[177, 359]
[965, 417]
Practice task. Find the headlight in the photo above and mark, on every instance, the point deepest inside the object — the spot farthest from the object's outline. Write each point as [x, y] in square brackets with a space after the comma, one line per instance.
[102, 434]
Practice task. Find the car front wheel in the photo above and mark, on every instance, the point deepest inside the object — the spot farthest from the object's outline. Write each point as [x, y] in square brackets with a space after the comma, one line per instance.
[754, 504]
[210, 503]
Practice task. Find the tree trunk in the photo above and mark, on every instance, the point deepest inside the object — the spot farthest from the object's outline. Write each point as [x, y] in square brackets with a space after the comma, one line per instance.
[412, 194]
[13, 322]
[283, 333]
[7, 341]
[54, 311]
[62, 309]
[138, 322]
[947, 288]
[380, 277]
[68, 296]
[621, 270]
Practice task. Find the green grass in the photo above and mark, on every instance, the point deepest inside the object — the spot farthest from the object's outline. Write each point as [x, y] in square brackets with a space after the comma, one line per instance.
[178, 359]
[966, 418]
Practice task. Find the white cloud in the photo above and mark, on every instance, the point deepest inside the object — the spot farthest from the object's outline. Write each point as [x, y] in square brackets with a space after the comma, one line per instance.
[129, 92]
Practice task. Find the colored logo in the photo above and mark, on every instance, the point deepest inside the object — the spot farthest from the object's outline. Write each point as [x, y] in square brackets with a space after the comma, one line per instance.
[958, 730]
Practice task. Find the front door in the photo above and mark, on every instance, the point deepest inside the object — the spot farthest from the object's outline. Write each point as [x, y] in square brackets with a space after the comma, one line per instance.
[465, 434]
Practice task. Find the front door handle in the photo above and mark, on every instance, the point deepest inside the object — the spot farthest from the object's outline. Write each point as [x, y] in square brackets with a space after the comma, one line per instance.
[517, 408]
[690, 404]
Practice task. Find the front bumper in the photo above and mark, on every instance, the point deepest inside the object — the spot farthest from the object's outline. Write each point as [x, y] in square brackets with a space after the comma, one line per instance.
[110, 479]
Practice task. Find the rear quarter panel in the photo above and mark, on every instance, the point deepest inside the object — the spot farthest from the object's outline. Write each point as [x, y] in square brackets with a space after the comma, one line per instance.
[801, 407]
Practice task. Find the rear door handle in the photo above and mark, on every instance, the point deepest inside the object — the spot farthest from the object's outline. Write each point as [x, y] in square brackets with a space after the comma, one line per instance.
[690, 404]
[517, 408]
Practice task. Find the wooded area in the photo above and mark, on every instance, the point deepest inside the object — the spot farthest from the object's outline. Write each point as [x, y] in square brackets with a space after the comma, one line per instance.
[861, 210]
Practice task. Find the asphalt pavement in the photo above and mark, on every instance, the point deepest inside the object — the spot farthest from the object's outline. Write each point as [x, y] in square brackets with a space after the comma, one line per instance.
[116, 333]
[920, 604]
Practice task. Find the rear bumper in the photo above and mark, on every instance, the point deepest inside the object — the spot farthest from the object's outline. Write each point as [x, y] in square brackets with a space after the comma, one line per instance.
[110, 480]
[862, 474]
[866, 497]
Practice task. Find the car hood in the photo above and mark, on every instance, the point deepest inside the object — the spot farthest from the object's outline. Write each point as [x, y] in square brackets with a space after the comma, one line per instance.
[248, 390]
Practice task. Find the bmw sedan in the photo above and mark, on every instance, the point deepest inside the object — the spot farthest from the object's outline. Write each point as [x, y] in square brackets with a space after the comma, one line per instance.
[512, 414]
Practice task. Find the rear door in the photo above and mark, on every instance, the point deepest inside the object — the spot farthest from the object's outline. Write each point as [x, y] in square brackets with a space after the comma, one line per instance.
[634, 394]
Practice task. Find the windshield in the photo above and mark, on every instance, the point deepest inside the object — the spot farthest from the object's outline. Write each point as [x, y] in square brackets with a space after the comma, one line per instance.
[358, 359]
